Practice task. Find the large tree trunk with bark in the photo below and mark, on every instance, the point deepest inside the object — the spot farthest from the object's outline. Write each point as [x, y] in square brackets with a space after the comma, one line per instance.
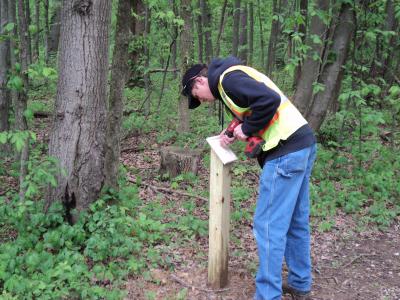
[119, 76]
[312, 64]
[273, 38]
[77, 139]
[186, 61]
[4, 67]
[332, 73]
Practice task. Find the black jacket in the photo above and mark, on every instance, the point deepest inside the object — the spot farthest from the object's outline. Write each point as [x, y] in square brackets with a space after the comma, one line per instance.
[263, 102]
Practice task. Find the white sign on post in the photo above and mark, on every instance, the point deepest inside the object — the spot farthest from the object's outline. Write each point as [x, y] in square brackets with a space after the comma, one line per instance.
[226, 155]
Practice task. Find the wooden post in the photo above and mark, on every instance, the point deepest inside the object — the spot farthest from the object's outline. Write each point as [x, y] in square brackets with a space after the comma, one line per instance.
[220, 181]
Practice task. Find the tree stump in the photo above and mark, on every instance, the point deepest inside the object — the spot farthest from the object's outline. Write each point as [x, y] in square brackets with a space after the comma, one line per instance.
[176, 160]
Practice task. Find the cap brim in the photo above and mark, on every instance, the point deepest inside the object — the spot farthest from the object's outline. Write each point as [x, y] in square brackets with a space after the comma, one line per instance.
[193, 102]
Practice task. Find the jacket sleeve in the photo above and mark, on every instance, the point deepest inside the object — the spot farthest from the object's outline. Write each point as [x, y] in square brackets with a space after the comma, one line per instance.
[248, 92]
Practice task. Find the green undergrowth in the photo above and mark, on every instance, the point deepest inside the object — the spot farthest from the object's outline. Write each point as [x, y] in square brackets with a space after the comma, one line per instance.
[44, 257]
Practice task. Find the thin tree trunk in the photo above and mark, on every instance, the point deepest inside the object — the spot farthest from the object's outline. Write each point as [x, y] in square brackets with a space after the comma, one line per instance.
[4, 67]
[251, 33]
[273, 38]
[311, 66]
[303, 30]
[236, 23]
[46, 30]
[146, 76]
[200, 4]
[174, 46]
[119, 76]
[186, 60]
[261, 34]
[54, 30]
[221, 28]
[243, 34]
[13, 59]
[29, 22]
[77, 139]
[22, 95]
[391, 24]
[37, 24]
[332, 73]
[207, 23]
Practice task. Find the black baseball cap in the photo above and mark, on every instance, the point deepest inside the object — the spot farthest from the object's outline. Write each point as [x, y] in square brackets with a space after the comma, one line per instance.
[187, 84]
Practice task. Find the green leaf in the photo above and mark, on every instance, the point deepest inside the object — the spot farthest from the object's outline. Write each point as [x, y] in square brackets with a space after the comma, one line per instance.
[9, 27]
[15, 83]
[3, 137]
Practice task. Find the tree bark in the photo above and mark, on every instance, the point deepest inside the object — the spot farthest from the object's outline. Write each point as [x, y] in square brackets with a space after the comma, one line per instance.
[236, 23]
[303, 30]
[207, 27]
[28, 22]
[243, 34]
[273, 38]
[186, 41]
[312, 64]
[332, 73]
[221, 28]
[4, 67]
[261, 34]
[22, 95]
[391, 24]
[251, 33]
[174, 47]
[199, 18]
[119, 76]
[54, 30]
[77, 138]
[37, 24]
[46, 30]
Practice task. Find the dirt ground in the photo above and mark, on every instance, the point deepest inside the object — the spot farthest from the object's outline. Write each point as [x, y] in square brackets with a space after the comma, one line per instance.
[349, 262]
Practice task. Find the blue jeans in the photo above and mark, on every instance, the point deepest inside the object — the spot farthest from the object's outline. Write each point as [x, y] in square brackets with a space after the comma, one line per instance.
[281, 224]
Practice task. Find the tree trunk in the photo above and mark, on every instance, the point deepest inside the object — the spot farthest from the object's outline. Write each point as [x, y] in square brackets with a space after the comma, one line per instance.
[186, 61]
[235, 32]
[46, 30]
[77, 139]
[332, 73]
[119, 76]
[273, 38]
[311, 66]
[221, 28]
[261, 34]
[22, 95]
[243, 34]
[207, 26]
[175, 161]
[174, 46]
[28, 22]
[303, 30]
[199, 18]
[146, 49]
[251, 33]
[37, 24]
[54, 33]
[12, 52]
[391, 24]
[4, 67]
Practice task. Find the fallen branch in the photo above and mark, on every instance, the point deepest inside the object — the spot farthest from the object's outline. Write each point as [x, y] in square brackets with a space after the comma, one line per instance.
[356, 258]
[177, 279]
[161, 189]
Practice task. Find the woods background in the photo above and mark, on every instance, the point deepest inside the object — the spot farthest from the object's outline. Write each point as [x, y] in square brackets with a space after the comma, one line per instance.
[80, 78]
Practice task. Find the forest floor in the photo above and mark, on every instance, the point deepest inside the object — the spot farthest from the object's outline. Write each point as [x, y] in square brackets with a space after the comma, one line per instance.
[350, 261]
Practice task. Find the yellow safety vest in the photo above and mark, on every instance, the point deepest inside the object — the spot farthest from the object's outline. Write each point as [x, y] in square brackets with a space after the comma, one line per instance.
[284, 123]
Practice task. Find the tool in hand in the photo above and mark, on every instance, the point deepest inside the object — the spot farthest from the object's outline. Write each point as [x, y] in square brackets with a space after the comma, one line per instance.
[254, 143]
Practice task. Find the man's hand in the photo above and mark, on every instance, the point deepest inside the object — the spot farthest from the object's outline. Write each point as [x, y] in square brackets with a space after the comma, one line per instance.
[225, 140]
[238, 133]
